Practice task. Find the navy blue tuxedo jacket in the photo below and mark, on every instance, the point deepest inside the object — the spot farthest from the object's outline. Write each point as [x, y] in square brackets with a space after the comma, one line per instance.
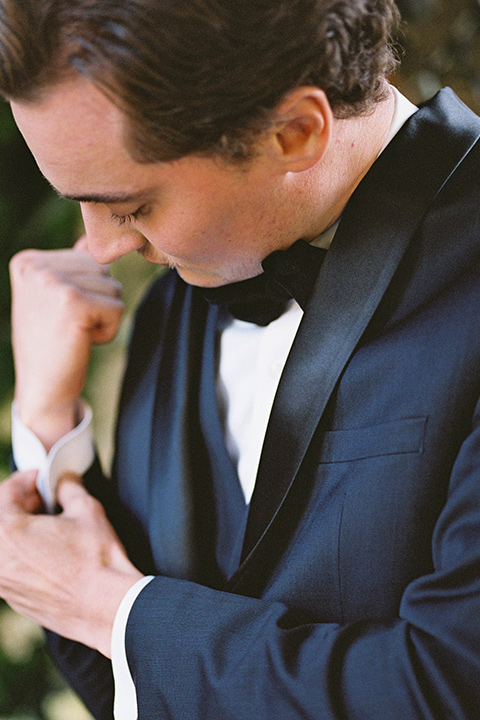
[356, 594]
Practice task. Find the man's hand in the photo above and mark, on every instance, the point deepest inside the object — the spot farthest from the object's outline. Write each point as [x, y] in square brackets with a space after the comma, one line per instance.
[62, 303]
[68, 572]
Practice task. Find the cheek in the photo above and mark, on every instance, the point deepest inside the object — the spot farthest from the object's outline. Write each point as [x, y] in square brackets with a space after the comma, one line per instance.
[196, 232]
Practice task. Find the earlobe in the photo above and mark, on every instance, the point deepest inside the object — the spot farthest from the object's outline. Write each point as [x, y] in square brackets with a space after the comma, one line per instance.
[303, 128]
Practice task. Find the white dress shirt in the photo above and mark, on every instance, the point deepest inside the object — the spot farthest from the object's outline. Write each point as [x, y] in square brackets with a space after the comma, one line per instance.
[251, 363]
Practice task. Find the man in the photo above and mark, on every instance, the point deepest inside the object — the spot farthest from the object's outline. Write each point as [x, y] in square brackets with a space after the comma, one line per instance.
[326, 566]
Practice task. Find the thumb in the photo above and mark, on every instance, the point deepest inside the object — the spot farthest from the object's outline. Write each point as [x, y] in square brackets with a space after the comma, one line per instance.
[71, 494]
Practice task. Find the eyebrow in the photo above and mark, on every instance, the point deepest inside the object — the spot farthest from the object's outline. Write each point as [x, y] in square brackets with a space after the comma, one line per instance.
[106, 198]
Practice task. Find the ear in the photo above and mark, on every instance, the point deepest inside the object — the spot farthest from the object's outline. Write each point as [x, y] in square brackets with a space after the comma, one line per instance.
[302, 129]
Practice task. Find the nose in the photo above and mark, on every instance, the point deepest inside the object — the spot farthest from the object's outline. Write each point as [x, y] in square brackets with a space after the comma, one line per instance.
[106, 242]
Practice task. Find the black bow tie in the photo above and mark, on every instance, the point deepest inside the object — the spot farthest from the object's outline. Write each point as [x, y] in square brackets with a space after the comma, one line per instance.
[287, 274]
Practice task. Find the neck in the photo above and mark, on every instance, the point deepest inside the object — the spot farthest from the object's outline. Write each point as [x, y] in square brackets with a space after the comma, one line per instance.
[356, 144]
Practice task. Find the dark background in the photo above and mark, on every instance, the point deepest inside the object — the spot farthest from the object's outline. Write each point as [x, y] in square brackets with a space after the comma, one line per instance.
[439, 46]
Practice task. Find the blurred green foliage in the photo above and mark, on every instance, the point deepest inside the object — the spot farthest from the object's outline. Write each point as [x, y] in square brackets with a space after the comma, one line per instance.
[441, 47]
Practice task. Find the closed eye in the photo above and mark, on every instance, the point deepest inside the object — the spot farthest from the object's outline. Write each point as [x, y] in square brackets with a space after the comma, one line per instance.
[128, 217]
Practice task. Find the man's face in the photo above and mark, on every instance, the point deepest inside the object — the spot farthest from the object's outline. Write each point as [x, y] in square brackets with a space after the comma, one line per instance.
[213, 222]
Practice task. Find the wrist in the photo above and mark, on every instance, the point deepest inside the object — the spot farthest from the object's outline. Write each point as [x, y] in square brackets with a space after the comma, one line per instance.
[115, 587]
[50, 424]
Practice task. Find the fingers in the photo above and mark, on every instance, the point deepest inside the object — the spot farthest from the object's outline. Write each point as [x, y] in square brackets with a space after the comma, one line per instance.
[99, 284]
[101, 316]
[67, 285]
[57, 261]
[84, 285]
[19, 493]
[72, 496]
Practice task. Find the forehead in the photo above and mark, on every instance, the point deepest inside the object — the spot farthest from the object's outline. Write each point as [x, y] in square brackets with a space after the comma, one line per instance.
[76, 135]
[77, 138]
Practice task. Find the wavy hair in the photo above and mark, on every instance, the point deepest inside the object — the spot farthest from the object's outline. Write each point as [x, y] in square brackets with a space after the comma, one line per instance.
[200, 76]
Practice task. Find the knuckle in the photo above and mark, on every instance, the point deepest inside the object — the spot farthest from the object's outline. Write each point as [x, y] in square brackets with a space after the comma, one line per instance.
[68, 295]
[47, 278]
[10, 524]
[34, 269]
[51, 284]
[88, 505]
[24, 261]
[96, 509]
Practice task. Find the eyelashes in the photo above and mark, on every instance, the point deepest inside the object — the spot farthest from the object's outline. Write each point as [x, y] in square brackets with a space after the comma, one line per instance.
[122, 219]
[128, 218]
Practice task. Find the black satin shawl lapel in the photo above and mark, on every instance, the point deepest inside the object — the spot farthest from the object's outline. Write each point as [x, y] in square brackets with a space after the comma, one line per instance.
[376, 227]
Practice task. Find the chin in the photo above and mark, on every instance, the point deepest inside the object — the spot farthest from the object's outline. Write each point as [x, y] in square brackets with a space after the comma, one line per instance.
[210, 279]
[199, 279]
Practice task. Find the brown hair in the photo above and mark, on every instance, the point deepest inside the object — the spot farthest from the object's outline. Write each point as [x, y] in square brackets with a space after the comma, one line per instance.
[199, 76]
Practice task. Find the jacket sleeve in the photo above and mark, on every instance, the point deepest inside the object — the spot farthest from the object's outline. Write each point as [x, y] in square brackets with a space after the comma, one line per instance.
[87, 671]
[197, 653]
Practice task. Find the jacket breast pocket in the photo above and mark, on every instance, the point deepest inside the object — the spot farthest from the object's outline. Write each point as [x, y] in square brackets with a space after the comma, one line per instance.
[396, 437]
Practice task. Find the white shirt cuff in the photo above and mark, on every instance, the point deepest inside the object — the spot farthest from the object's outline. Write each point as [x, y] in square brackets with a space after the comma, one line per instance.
[72, 453]
[125, 705]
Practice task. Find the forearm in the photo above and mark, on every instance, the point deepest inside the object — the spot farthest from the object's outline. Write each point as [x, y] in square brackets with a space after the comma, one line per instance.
[197, 654]
[63, 302]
